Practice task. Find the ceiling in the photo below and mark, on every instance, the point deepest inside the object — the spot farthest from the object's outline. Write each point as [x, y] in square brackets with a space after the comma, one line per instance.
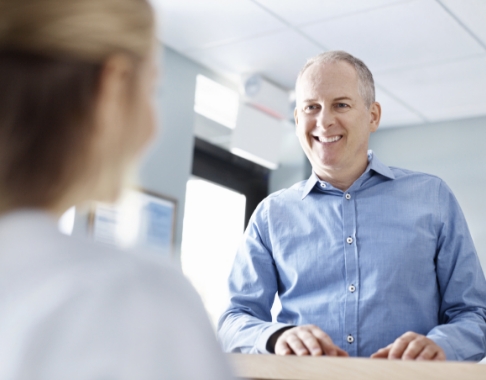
[428, 57]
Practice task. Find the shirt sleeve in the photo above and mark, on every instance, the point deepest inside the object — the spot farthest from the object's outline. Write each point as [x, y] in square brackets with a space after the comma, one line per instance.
[246, 325]
[462, 316]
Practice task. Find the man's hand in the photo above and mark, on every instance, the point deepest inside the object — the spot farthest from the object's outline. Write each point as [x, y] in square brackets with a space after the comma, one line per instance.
[411, 346]
[307, 340]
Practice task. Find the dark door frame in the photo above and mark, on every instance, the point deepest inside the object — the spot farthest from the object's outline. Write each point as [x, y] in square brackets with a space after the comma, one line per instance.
[220, 166]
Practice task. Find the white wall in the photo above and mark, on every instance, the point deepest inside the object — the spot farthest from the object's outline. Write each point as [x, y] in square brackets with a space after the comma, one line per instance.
[454, 151]
[167, 166]
[293, 166]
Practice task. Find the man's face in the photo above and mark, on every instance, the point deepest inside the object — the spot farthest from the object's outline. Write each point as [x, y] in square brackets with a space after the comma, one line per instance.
[333, 122]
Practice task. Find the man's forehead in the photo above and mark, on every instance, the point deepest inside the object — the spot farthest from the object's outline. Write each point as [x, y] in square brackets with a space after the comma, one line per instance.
[321, 71]
[329, 76]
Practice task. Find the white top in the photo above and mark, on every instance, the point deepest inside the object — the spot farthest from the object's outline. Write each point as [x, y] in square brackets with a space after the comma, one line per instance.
[71, 309]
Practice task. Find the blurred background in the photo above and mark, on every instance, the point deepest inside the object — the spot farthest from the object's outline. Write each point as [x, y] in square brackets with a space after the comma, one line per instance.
[226, 136]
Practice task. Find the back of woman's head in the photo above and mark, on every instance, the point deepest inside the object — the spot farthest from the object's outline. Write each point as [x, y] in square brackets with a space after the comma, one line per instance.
[51, 56]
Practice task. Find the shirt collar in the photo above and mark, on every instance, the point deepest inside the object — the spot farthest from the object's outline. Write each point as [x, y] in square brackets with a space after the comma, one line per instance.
[373, 164]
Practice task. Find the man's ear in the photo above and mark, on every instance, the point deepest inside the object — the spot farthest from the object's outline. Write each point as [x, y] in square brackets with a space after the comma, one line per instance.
[375, 116]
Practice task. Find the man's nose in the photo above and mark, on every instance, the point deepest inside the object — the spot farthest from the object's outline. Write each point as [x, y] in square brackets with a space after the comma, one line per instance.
[325, 118]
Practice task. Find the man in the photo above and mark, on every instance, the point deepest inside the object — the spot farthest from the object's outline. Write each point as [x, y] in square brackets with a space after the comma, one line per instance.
[367, 260]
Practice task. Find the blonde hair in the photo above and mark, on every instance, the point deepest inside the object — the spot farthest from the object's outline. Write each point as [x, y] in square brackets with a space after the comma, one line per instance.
[365, 78]
[89, 30]
[51, 57]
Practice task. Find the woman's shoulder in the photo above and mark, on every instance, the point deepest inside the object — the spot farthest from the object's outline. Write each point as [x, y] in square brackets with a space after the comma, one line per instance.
[33, 247]
[96, 299]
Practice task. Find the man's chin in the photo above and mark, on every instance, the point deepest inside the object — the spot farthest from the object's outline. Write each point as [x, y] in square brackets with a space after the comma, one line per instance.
[326, 165]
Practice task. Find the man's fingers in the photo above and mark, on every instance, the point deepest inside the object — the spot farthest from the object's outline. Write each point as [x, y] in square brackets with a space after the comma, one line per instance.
[400, 345]
[382, 353]
[416, 347]
[282, 348]
[307, 340]
[411, 346]
[440, 356]
[297, 346]
[311, 342]
[432, 352]
[341, 352]
[289, 343]
[429, 352]
[327, 345]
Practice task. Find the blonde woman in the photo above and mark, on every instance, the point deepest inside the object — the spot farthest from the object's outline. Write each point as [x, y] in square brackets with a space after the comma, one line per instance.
[76, 83]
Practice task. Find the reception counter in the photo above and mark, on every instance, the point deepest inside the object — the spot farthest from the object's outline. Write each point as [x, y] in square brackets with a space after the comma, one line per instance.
[266, 367]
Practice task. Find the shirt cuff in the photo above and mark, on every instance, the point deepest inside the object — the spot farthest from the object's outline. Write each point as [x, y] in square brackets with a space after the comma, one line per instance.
[442, 342]
[261, 344]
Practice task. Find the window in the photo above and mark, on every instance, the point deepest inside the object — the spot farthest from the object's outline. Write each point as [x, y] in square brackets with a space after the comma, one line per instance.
[220, 199]
[66, 222]
[214, 219]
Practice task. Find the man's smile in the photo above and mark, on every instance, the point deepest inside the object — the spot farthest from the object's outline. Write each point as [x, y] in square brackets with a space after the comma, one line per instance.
[326, 140]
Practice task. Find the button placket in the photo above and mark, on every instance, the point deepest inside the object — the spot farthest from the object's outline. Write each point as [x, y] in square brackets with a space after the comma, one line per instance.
[352, 273]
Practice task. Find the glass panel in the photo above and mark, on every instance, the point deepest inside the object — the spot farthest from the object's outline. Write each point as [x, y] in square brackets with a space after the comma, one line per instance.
[213, 227]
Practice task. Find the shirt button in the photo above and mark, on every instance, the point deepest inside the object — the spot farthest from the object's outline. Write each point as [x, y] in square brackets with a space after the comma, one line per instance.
[323, 185]
[349, 240]
[350, 339]
[348, 196]
[352, 288]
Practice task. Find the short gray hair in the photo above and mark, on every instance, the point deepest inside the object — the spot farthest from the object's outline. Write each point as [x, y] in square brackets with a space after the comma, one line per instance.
[366, 84]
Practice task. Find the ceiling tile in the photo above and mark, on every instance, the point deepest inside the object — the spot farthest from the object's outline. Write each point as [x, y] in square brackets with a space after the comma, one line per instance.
[278, 57]
[472, 13]
[308, 11]
[447, 91]
[394, 113]
[188, 24]
[412, 33]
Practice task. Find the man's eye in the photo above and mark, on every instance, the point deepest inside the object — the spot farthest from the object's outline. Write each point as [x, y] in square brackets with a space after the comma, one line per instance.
[342, 105]
[311, 107]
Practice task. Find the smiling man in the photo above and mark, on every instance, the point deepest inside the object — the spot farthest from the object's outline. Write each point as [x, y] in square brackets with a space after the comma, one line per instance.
[367, 260]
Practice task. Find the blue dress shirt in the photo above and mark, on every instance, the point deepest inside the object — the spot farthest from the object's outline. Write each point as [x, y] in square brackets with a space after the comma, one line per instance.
[391, 254]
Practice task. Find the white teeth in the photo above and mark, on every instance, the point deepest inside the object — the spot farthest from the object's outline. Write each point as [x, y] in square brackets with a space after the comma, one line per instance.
[329, 139]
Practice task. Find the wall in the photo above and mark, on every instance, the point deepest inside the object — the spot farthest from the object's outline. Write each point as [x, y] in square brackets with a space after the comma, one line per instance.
[293, 166]
[167, 165]
[454, 151]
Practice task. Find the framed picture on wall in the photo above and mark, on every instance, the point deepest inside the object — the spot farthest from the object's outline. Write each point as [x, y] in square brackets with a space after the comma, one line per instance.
[141, 219]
